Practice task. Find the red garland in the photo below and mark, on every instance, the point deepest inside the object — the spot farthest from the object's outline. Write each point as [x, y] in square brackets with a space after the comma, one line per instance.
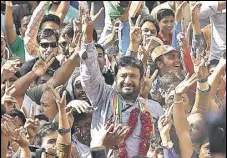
[146, 132]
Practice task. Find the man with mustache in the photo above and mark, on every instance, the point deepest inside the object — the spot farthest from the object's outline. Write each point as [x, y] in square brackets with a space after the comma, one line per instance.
[123, 106]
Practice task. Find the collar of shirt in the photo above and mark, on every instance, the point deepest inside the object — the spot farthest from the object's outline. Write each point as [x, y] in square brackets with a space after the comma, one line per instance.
[161, 36]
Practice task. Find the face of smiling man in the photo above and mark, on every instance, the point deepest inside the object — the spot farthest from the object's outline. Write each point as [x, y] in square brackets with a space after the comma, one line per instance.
[128, 82]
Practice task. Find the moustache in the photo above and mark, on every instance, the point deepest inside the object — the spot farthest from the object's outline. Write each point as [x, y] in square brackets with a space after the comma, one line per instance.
[128, 85]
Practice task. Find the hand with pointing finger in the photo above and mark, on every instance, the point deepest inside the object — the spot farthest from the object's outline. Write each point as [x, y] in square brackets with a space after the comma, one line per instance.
[135, 31]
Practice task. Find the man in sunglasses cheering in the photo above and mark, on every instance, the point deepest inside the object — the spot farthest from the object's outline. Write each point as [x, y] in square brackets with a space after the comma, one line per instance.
[47, 40]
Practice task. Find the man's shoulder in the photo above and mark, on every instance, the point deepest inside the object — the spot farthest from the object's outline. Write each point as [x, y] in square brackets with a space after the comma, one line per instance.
[154, 107]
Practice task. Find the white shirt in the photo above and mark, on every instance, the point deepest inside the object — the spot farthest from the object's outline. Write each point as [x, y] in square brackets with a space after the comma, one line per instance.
[218, 27]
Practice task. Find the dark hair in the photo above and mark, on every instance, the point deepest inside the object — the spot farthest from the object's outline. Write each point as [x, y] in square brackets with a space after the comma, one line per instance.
[51, 18]
[112, 50]
[47, 33]
[46, 129]
[150, 19]
[2, 110]
[41, 117]
[95, 35]
[213, 62]
[68, 30]
[129, 61]
[77, 117]
[164, 12]
[100, 47]
[14, 112]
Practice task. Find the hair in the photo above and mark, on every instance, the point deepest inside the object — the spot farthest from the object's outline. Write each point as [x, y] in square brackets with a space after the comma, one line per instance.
[100, 47]
[68, 30]
[46, 129]
[213, 62]
[77, 117]
[150, 19]
[51, 18]
[164, 12]
[47, 33]
[95, 35]
[129, 61]
[172, 78]
[112, 50]
[14, 112]
[41, 117]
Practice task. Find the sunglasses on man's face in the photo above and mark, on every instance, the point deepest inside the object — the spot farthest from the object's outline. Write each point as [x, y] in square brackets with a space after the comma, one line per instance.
[51, 44]
[63, 44]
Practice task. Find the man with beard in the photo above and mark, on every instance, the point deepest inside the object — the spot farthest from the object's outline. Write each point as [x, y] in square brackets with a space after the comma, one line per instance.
[122, 106]
[166, 60]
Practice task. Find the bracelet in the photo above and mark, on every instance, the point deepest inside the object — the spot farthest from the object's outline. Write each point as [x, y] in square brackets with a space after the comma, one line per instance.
[203, 80]
[208, 90]
[178, 102]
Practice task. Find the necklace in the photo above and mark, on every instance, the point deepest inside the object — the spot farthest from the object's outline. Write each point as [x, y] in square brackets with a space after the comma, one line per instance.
[145, 134]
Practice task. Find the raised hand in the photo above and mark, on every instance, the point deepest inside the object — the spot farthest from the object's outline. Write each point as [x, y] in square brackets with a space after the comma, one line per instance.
[87, 29]
[9, 69]
[18, 135]
[183, 36]
[80, 106]
[61, 101]
[135, 31]
[179, 11]
[147, 82]
[112, 36]
[8, 101]
[195, 11]
[9, 3]
[201, 70]
[41, 66]
[185, 84]
[164, 125]
[152, 44]
[94, 16]
[32, 126]
[112, 136]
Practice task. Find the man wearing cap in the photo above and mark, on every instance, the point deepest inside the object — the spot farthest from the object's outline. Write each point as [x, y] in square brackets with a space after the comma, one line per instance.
[166, 60]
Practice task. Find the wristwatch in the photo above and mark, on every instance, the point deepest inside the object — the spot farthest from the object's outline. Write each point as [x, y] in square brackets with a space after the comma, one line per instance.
[63, 131]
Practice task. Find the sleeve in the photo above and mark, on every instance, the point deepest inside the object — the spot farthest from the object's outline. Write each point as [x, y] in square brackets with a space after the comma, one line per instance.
[124, 37]
[197, 46]
[176, 31]
[16, 48]
[208, 9]
[92, 80]
[188, 62]
[33, 26]
[26, 67]
[170, 153]
[35, 93]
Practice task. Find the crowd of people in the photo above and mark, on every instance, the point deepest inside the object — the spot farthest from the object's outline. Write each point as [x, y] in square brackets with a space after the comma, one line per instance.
[150, 85]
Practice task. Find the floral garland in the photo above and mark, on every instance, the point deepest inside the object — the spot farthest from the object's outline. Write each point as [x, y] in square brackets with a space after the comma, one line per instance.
[146, 133]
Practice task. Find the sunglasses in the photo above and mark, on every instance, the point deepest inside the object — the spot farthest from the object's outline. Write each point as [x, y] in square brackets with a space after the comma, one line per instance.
[63, 44]
[51, 44]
